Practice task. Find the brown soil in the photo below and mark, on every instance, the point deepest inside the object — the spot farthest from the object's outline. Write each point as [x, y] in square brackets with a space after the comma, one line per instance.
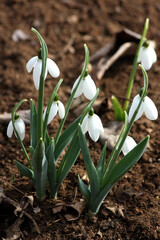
[94, 23]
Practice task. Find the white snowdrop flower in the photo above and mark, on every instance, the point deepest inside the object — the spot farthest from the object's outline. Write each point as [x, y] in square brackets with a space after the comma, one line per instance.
[128, 145]
[35, 63]
[92, 123]
[148, 107]
[20, 127]
[57, 106]
[86, 86]
[147, 56]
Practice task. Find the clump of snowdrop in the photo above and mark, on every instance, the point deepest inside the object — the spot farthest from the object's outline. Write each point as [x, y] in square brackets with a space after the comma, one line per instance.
[93, 125]
[86, 87]
[128, 145]
[147, 56]
[19, 125]
[35, 63]
[56, 107]
[147, 107]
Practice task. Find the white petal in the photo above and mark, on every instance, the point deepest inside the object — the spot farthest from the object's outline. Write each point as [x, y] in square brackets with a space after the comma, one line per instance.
[128, 145]
[79, 89]
[52, 68]
[37, 73]
[20, 127]
[93, 128]
[61, 109]
[10, 129]
[152, 54]
[147, 57]
[53, 111]
[85, 124]
[133, 108]
[150, 109]
[30, 64]
[98, 123]
[89, 88]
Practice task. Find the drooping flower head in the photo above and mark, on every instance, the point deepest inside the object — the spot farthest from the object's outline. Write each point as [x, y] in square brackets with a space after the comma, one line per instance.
[147, 56]
[86, 86]
[19, 125]
[147, 107]
[35, 63]
[93, 125]
[57, 106]
[128, 145]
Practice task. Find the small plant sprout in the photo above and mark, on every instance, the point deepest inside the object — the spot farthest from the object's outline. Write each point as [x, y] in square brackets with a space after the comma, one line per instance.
[86, 86]
[93, 125]
[45, 150]
[19, 125]
[147, 56]
[147, 107]
[105, 175]
[57, 106]
[128, 145]
[35, 63]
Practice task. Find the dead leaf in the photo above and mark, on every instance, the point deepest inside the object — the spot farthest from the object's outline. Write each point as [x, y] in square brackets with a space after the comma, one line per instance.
[71, 212]
[117, 210]
[9, 209]
[111, 133]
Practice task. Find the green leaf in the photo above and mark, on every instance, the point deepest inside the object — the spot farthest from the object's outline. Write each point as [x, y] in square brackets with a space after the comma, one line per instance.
[91, 170]
[118, 171]
[100, 165]
[65, 138]
[118, 110]
[33, 124]
[84, 189]
[31, 149]
[25, 171]
[51, 168]
[128, 161]
[40, 169]
[68, 160]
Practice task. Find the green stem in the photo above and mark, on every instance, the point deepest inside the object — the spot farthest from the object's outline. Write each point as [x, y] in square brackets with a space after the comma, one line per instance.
[131, 80]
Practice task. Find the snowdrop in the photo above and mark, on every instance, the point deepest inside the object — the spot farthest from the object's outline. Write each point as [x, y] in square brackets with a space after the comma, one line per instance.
[20, 127]
[57, 106]
[148, 107]
[128, 145]
[92, 123]
[147, 56]
[86, 86]
[35, 63]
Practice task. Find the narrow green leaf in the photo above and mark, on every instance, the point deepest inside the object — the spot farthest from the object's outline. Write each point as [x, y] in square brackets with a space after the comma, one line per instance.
[100, 165]
[40, 169]
[31, 149]
[51, 168]
[127, 161]
[84, 189]
[65, 138]
[68, 160]
[118, 110]
[91, 170]
[33, 124]
[25, 171]
[119, 171]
